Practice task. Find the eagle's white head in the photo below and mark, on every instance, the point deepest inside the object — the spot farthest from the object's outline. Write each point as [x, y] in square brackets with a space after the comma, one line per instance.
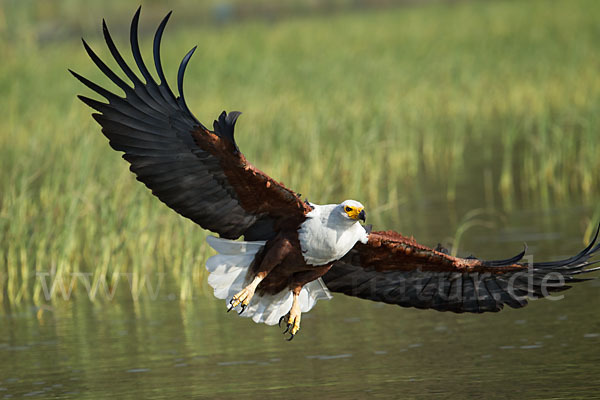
[352, 210]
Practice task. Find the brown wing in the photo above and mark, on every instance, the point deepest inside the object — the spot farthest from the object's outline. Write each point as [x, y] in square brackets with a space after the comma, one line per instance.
[199, 173]
[394, 269]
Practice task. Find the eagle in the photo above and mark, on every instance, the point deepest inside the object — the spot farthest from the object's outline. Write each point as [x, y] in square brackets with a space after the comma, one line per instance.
[294, 252]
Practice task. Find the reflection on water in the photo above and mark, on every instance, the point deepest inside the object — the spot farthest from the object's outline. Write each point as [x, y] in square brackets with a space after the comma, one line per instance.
[348, 348]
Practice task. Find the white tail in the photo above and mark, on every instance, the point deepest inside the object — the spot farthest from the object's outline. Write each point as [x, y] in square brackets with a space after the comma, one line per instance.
[227, 276]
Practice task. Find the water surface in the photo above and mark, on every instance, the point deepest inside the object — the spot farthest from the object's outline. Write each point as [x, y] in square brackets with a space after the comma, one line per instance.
[347, 348]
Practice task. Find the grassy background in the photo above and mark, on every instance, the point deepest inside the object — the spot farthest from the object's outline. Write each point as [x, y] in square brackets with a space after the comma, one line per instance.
[499, 99]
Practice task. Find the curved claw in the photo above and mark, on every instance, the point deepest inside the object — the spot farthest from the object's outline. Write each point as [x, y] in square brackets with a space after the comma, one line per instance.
[230, 308]
[287, 329]
[280, 320]
[291, 337]
[243, 309]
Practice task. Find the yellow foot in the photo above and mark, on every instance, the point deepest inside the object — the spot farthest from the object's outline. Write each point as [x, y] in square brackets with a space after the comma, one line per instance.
[293, 322]
[241, 298]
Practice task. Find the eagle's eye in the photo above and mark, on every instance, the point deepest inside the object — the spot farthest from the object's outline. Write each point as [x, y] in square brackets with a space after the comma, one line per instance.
[348, 209]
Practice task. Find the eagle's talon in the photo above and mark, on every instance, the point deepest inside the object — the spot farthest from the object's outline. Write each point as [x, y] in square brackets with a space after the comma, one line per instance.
[292, 319]
[242, 298]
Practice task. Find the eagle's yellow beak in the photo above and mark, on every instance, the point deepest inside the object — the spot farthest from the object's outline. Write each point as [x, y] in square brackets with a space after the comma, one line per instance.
[356, 213]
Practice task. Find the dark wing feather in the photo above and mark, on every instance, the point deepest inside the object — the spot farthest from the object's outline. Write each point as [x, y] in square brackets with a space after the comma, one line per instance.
[199, 173]
[394, 269]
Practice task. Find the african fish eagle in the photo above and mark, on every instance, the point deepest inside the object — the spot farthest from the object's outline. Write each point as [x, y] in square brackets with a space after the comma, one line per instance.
[294, 252]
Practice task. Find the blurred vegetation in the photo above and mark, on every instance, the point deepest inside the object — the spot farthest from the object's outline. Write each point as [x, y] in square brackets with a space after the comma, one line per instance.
[498, 97]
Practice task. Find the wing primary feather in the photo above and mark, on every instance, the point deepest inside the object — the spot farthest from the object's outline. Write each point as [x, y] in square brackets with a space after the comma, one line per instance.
[156, 52]
[508, 261]
[597, 247]
[164, 88]
[104, 68]
[95, 104]
[583, 253]
[117, 56]
[135, 47]
[98, 89]
[180, 75]
[585, 271]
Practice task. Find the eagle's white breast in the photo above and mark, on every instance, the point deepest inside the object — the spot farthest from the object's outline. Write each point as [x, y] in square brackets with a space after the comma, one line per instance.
[327, 234]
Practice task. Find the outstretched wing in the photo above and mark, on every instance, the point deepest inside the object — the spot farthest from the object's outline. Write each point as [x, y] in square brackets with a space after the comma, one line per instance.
[394, 269]
[199, 173]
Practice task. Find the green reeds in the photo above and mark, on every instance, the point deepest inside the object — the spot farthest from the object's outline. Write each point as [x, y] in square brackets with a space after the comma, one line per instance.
[502, 95]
